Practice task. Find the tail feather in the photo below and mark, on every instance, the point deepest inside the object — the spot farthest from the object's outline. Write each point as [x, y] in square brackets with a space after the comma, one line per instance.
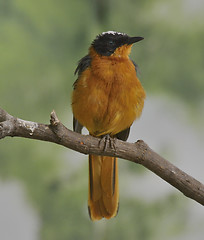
[107, 176]
[103, 187]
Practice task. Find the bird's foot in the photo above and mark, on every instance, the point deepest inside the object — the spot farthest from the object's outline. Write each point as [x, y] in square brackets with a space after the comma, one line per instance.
[107, 140]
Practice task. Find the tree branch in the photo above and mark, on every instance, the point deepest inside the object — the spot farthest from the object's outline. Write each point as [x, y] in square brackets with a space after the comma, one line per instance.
[138, 152]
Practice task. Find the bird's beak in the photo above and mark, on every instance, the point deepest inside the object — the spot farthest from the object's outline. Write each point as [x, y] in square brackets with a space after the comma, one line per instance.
[132, 40]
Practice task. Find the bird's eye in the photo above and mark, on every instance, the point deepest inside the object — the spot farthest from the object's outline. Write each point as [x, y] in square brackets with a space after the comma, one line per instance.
[111, 42]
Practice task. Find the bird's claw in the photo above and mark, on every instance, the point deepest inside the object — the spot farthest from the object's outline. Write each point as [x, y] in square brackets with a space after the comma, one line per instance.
[107, 141]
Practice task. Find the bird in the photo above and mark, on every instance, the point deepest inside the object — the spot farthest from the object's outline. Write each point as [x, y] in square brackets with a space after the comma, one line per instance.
[107, 97]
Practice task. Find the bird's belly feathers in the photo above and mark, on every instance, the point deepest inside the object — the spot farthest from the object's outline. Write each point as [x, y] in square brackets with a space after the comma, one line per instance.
[108, 103]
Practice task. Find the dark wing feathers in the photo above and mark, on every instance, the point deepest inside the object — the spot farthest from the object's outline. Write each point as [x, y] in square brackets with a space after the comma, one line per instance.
[123, 135]
[77, 127]
[82, 65]
[136, 66]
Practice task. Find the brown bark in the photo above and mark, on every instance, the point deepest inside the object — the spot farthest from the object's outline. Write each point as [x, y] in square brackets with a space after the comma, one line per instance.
[138, 152]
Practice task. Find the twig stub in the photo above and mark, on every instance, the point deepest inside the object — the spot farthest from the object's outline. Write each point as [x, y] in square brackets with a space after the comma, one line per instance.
[54, 121]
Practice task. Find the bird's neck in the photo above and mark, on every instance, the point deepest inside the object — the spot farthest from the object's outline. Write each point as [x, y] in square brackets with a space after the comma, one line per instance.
[119, 54]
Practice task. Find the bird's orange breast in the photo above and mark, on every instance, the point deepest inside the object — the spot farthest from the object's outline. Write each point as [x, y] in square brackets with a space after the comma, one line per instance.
[108, 96]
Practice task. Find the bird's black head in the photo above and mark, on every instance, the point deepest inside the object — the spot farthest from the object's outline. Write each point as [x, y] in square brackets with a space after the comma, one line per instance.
[106, 43]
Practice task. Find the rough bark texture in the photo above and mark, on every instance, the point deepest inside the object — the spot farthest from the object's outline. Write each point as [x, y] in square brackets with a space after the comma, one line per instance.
[138, 152]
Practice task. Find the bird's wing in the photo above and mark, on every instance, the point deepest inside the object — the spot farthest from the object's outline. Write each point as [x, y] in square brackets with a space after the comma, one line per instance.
[123, 135]
[83, 64]
[136, 66]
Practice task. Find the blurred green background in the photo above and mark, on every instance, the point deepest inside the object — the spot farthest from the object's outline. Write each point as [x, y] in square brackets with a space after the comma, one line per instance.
[41, 42]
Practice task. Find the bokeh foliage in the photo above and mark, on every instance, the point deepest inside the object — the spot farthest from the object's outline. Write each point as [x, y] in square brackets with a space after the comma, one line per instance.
[40, 44]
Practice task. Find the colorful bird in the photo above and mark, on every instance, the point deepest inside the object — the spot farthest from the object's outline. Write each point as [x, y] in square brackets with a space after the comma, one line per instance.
[106, 99]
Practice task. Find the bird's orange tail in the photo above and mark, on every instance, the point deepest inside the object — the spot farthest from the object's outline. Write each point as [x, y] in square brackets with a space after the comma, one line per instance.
[103, 187]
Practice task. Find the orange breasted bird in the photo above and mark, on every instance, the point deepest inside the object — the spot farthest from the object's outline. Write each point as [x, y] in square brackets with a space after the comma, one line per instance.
[106, 99]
